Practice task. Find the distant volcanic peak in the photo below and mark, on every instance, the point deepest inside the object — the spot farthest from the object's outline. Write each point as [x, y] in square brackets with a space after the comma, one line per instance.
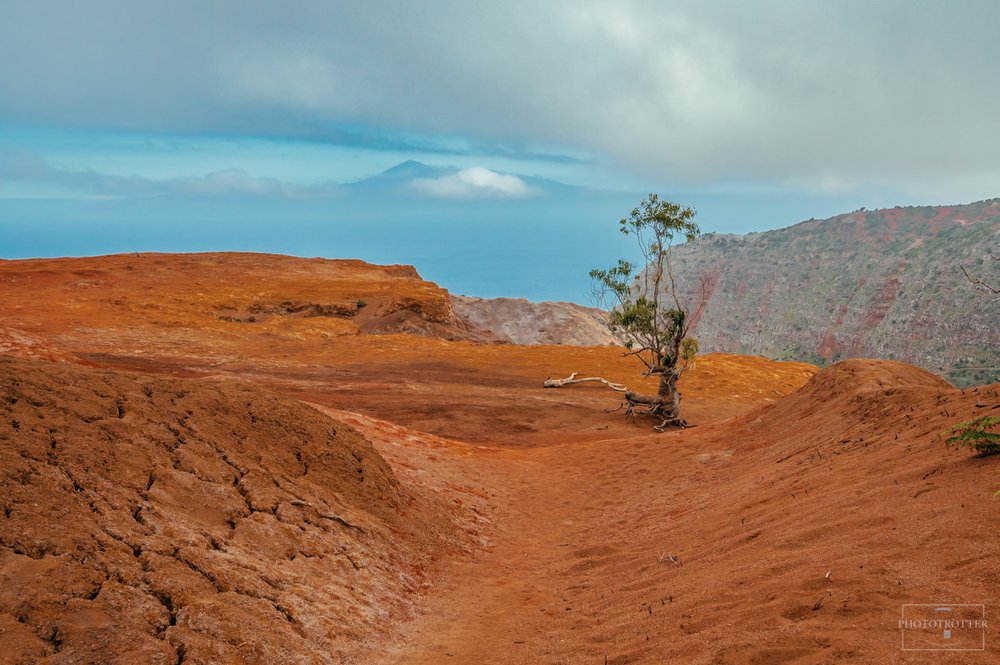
[413, 178]
[411, 169]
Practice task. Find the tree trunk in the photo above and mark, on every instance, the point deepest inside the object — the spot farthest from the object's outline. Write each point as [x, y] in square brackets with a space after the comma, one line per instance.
[670, 400]
[665, 404]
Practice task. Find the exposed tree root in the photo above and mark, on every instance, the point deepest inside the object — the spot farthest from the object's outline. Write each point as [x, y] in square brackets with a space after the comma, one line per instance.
[656, 407]
[635, 404]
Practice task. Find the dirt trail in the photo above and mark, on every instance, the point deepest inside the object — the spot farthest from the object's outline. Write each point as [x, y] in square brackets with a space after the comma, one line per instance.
[756, 540]
[532, 511]
[493, 620]
[567, 542]
[555, 506]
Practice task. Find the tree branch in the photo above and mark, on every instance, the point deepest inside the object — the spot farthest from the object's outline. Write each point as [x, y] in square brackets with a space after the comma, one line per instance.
[979, 282]
[571, 379]
[673, 284]
[703, 278]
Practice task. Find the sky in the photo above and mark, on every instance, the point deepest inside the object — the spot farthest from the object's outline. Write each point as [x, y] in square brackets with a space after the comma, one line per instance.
[188, 126]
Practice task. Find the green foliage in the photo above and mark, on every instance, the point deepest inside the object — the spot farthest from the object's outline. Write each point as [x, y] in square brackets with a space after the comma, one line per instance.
[982, 434]
[689, 349]
[647, 326]
[636, 318]
[663, 219]
[617, 279]
[361, 304]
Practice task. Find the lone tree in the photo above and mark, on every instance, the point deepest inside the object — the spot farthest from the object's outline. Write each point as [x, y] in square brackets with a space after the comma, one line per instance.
[646, 314]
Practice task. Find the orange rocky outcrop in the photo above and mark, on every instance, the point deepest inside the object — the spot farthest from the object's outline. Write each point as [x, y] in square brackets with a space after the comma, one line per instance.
[225, 297]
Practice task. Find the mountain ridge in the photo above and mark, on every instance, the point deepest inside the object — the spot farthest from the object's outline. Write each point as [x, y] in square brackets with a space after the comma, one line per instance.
[880, 283]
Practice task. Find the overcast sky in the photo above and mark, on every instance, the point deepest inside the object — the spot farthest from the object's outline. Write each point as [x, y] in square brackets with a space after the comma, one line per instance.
[867, 102]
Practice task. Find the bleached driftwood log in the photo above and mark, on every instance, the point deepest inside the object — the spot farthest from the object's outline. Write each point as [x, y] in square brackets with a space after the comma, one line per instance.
[571, 379]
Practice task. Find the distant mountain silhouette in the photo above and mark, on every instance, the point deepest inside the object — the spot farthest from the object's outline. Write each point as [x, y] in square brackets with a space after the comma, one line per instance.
[411, 169]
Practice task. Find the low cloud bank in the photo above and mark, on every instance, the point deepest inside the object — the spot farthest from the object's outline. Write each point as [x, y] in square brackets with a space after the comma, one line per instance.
[474, 182]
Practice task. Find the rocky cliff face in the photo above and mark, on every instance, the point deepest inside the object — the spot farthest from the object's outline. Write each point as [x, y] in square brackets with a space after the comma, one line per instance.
[879, 283]
[520, 321]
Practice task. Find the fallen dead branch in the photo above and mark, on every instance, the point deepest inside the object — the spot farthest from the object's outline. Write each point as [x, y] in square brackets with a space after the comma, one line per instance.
[635, 404]
[571, 379]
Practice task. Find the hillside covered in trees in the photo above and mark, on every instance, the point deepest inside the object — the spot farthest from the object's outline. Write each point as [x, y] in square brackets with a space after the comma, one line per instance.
[879, 283]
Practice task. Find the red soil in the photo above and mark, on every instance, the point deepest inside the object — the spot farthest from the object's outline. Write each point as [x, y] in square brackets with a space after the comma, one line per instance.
[713, 545]
[154, 520]
[517, 524]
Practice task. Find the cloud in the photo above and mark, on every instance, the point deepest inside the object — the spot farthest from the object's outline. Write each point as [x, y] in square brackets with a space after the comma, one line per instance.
[237, 182]
[28, 167]
[675, 92]
[474, 182]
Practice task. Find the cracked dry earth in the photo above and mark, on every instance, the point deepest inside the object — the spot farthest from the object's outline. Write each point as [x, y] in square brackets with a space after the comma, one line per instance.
[162, 520]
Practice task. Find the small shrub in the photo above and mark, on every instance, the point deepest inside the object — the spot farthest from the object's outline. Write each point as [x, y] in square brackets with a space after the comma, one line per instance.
[361, 304]
[982, 434]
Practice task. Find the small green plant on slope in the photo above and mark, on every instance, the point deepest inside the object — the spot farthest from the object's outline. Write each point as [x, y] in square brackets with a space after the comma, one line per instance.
[982, 434]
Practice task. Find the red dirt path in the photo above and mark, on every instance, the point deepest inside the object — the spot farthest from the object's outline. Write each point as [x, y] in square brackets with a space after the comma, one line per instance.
[847, 476]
